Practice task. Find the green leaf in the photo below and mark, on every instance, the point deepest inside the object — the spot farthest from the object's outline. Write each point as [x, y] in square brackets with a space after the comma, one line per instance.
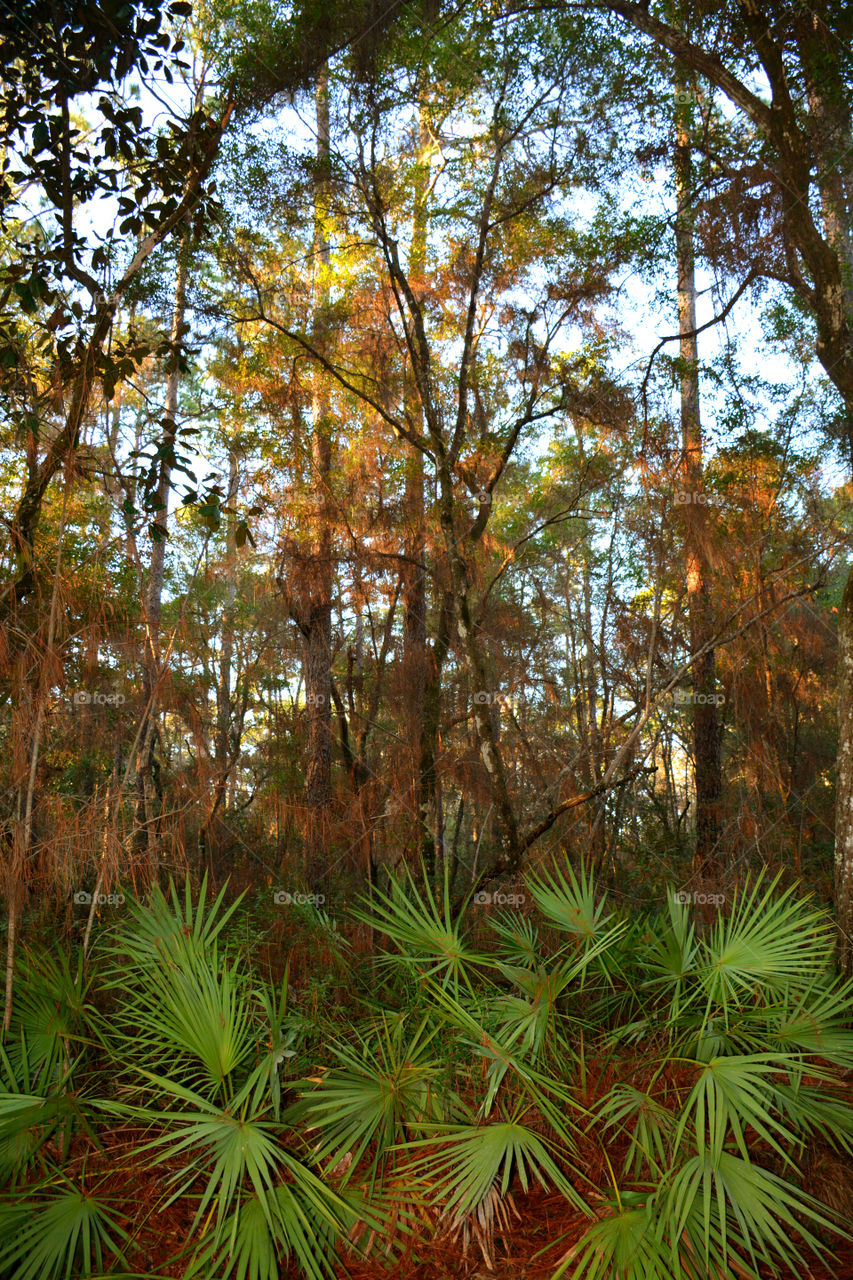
[58, 1232]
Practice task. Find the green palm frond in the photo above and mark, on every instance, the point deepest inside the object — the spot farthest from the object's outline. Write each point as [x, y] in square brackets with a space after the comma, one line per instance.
[383, 1089]
[649, 1125]
[518, 939]
[60, 1232]
[36, 1102]
[736, 1217]
[170, 926]
[671, 957]
[570, 903]
[530, 1021]
[821, 1110]
[296, 1221]
[812, 1018]
[205, 1016]
[546, 1091]
[624, 1245]
[283, 1036]
[466, 1162]
[735, 1093]
[237, 1151]
[233, 1149]
[51, 1004]
[534, 1020]
[768, 942]
[428, 938]
[179, 1007]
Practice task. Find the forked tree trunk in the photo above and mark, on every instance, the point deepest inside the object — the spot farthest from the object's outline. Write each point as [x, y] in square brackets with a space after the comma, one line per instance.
[706, 732]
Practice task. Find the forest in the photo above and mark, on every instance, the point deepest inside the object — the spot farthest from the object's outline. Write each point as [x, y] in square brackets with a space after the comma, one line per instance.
[426, 639]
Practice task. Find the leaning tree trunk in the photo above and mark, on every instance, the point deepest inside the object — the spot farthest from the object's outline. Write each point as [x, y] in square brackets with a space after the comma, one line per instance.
[706, 732]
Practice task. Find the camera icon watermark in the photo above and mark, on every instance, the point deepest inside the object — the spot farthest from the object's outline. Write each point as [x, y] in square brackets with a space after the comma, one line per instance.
[484, 899]
[82, 898]
[282, 898]
[699, 899]
[482, 698]
[484, 498]
[96, 698]
[684, 499]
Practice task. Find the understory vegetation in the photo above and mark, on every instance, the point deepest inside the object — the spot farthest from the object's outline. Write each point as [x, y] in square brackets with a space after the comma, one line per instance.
[666, 1078]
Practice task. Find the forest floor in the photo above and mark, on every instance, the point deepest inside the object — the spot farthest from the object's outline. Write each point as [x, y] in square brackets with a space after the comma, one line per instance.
[531, 1249]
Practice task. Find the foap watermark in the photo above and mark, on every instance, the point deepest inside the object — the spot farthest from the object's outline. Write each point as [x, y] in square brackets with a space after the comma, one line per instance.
[699, 899]
[97, 698]
[685, 698]
[484, 899]
[317, 700]
[282, 898]
[482, 698]
[686, 97]
[82, 898]
[685, 499]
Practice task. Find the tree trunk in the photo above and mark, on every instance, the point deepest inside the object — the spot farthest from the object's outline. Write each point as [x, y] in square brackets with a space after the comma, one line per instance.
[844, 785]
[317, 618]
[706, 733]
[416, 678]
[435, 658]
[512, 850]
[224, 752]
[145, 840]
[23, 834]
[819, 261]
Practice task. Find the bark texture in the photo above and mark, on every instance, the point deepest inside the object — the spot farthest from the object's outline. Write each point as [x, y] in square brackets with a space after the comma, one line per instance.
[706, 731]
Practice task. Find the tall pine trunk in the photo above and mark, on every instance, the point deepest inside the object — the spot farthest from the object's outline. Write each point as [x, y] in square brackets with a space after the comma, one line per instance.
[706, 731]
[317, 609]
[421, 669]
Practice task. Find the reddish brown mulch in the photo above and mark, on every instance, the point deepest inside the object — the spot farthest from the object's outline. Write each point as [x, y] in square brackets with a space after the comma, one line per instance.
[547, 1227]
[544, 1218]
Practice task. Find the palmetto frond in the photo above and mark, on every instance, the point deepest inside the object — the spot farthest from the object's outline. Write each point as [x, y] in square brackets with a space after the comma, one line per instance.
[429, 939]
[769, 942]
[382, 1089]
[62, 1231]
[466, 1163]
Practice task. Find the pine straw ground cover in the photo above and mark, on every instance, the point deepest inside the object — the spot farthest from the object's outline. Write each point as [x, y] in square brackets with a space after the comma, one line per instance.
[585, 1093]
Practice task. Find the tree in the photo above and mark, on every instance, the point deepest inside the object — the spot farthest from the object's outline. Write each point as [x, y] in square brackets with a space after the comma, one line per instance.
[806, 144]
[706, 733]
[72, 285]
